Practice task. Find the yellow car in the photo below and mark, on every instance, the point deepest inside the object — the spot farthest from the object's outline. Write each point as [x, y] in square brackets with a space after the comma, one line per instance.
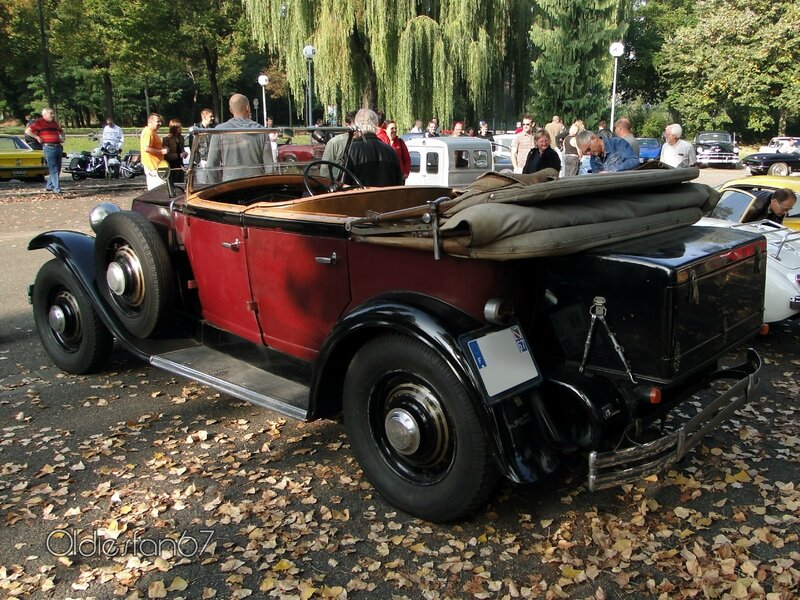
[20, 161]
[740, 195]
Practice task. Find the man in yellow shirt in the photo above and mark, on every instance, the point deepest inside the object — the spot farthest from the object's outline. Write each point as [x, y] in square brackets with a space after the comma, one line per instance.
[152, 151]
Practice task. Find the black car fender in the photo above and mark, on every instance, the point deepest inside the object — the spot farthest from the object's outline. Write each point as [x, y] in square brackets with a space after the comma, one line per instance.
[518, 440]
[76, 251]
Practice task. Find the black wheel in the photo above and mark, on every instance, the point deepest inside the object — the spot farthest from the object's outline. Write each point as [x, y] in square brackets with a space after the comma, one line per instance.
[67, 324]
[133, 271]
[330, 182]
[128, 173]
[415, 431]
[779, 168]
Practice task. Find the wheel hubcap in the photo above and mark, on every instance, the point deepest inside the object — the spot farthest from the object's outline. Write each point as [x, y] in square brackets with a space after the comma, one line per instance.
[417, 439]
[124, 276]
[64, 320]
[57, 319]
[402, 431]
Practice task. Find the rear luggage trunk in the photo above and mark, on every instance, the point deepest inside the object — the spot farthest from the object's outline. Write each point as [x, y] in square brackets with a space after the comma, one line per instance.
[673, 301]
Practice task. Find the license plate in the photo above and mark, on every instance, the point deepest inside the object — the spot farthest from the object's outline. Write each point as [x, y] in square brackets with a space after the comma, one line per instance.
[504, 362]
[18, 172]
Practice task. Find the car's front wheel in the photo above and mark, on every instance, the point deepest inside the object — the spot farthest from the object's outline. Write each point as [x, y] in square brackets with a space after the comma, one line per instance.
[133, 271]
[414, 430]
[66, 322]
[779, 168]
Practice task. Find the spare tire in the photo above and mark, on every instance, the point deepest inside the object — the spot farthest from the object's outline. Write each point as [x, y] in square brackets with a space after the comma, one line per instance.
[133, 271]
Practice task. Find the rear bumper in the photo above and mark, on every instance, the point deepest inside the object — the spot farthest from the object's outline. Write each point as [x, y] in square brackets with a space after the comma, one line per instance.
[609, 469]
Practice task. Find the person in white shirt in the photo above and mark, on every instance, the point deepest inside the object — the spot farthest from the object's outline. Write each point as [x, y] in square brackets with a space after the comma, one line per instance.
[112, 134]
[676, 152]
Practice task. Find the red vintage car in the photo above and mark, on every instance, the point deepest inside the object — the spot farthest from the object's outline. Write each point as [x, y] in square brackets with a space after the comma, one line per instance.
[460, 335]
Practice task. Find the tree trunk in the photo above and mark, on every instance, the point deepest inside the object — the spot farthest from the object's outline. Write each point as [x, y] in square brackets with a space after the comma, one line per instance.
[108, 93]
[782, 118]
[212, 64]
[45, 55]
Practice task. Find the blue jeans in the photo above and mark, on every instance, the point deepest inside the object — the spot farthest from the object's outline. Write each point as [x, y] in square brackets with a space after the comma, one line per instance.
[53, 155]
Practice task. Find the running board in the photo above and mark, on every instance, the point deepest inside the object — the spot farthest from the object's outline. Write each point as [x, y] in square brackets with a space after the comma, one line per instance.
[237, 378]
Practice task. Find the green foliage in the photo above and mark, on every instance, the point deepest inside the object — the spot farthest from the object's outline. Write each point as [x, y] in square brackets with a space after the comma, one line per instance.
[649, 37]
[737, 67]
[571, 73]
[410, 58]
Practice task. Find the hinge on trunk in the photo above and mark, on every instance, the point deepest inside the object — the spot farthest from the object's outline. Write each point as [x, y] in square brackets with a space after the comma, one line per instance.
[694, 290]
[252, 306]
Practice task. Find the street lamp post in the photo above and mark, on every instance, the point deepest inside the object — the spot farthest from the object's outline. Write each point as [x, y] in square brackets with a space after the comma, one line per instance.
[309, 52]
[616, 50]
[263, 80]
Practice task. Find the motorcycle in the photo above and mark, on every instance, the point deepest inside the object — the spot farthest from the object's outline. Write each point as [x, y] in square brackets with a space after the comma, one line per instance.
[101, 163]
[132, 165]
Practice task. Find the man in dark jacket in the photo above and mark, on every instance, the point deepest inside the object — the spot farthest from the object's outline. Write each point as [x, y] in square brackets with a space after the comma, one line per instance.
[774, 206]
[372, 161]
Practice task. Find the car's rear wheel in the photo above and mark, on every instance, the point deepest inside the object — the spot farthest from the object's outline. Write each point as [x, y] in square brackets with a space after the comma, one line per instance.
[133, 271]
[780, 168]
[414, 430]
[66, 322]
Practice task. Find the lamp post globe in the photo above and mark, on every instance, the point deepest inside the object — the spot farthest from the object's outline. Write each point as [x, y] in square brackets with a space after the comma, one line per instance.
[309, 52]
[616, 49]
[263, 80]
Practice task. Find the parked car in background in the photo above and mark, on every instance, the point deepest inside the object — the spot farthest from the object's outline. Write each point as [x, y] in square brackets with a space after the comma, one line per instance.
[502, 149]
[448, 161]
[763, 185]
[739, 201]
[781, 144]
[773, 163]
[715, 149]
[19, 161]
[649, 149]
[460, 337]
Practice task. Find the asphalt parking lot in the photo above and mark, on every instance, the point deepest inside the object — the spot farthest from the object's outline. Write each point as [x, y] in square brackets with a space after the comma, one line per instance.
[134, 483]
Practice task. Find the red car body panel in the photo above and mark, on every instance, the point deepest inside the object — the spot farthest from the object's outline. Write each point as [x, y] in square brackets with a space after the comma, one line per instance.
[224, 290]
[299, 297]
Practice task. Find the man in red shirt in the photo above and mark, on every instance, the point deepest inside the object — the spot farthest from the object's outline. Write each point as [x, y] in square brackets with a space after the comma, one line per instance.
[49, 134]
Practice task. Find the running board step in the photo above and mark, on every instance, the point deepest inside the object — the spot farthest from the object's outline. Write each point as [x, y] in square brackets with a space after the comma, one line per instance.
[237, 378]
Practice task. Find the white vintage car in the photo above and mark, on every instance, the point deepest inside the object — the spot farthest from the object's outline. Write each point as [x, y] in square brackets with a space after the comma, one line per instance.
[782, 291]
[781, 144]
[454, 162]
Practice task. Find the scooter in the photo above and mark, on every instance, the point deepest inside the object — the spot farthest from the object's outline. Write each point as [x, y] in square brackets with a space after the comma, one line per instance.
[101, 163]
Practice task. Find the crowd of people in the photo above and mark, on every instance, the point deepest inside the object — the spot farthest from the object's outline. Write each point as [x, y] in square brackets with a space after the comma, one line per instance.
[376, 154]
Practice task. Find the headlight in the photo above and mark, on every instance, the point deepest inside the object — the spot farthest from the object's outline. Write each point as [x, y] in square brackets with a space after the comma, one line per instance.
[100, 212]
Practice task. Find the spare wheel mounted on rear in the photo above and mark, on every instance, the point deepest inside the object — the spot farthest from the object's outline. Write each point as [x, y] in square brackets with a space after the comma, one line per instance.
[133, 271]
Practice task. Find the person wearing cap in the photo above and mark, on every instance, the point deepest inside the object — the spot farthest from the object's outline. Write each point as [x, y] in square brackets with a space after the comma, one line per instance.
[483, 131]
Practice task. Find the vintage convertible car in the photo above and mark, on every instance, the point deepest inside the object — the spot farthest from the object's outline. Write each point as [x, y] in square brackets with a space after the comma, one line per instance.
[761, 185]
[739, 201]
[780, 144]
[460, 335]
[773, 163]
[19, 161]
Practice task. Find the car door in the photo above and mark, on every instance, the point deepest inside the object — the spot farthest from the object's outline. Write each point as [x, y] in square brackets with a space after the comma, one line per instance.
[217, 247]
[300, 281]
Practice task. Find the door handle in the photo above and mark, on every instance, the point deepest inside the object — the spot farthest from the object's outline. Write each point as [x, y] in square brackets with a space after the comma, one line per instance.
[327, 260]
[234, 245]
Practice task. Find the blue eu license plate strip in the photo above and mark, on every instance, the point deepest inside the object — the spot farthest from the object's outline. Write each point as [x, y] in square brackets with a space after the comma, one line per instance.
[503, 361]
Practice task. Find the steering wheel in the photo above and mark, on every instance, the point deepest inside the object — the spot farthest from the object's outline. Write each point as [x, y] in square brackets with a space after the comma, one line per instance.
[328, 182]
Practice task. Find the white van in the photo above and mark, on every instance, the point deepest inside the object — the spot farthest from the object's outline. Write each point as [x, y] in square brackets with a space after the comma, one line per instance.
[448, 161]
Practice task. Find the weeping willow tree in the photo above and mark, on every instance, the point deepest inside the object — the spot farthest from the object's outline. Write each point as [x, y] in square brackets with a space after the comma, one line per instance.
[572, 71]
[412, 58]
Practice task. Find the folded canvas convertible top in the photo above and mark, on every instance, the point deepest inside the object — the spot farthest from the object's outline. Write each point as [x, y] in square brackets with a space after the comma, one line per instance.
[504, 216]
